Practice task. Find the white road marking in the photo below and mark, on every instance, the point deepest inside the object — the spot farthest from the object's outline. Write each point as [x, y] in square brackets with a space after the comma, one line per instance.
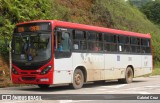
[5, 101]
[154, 76]
[142, 92]
[75, 101]
[119, 86]
[65, 101]
[116, 86]
[101, 89]
[127, 90]
[156, 86]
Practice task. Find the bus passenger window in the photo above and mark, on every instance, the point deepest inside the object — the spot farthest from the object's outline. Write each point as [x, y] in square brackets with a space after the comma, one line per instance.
[145, 46]
[120, 48]
[59, 40]
[76, 45]
[63, 41]
[92, 36]
[79, 40]
[135, 45]
[96, 47]
[110, 44]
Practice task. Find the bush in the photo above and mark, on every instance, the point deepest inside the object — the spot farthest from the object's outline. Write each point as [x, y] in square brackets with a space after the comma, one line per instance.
[4, 52]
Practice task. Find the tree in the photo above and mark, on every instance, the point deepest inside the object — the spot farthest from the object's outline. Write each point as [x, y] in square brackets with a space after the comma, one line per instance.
[152, 11]
[14, 11]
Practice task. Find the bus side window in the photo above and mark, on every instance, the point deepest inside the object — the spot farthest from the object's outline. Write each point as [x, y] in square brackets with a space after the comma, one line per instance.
[145, 46]
[79, 40]
[124, 44]
[62, 45]
[58, 39]
[62, 41]
[110, 42]
[65, 43]
[135, 45]
[95, 42]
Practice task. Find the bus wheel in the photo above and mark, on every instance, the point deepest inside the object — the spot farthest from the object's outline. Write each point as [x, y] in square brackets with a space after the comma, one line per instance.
[43, 86]
[78, 79]
[128, 76]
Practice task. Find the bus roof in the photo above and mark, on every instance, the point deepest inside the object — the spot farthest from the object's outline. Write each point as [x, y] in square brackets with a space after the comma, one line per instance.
[90, 28]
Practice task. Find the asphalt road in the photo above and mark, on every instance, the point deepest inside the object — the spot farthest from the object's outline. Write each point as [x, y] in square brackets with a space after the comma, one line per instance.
[140, 86]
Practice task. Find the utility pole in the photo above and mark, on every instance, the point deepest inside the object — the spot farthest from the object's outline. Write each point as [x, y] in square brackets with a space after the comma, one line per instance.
[10, 60]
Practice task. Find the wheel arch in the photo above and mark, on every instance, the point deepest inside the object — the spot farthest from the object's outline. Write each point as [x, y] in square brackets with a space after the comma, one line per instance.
[84, 71]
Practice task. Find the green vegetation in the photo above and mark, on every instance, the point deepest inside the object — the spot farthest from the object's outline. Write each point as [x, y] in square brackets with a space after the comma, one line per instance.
[14, 11]
[139, 3]
[156, 71]
[152, 11]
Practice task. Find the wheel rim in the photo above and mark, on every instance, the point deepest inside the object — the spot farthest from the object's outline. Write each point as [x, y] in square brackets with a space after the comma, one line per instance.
[78, 79]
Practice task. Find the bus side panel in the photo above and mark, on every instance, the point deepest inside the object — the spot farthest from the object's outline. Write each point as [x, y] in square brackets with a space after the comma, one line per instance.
[116, 64]
[146, 67]
[62, 70]
[125, 60]
[93, 63]
[110, 63]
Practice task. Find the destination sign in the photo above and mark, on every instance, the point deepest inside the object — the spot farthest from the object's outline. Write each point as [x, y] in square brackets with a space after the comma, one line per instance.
[33, 27]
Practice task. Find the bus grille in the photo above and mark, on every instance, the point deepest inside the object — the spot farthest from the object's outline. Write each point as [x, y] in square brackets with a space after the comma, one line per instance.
[23, 72]
[29, 67]
[28, 78]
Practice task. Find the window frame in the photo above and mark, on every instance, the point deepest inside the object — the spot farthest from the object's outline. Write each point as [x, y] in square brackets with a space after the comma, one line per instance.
[146, 46]
[114, 42]
[102, 41]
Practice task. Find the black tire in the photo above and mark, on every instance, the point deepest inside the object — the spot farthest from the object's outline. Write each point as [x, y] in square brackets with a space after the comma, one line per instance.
[78, 79]
[128, 76]
[43, 86]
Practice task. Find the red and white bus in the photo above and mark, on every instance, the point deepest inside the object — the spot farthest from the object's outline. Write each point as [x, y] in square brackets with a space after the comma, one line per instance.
[48, 52]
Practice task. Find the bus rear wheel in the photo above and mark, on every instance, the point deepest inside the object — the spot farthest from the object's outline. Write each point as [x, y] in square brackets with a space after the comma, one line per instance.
[43, 86]
[128, 76]
[78, 79]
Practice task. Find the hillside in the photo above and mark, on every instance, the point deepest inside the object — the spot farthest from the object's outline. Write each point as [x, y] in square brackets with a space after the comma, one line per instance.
[139, 3]
[108, 13]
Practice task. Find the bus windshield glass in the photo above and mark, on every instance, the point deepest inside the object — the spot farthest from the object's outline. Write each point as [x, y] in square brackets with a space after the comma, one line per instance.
[31, 46]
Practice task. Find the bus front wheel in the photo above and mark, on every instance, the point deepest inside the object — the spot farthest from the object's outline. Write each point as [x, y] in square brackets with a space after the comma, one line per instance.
[78, 79]
[128, 76]
[43, 86]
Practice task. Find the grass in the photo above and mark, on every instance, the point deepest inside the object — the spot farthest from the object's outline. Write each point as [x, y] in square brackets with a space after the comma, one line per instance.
[156, 71]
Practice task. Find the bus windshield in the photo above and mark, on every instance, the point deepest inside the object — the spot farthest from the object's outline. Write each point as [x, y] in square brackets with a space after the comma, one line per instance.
[31, 47]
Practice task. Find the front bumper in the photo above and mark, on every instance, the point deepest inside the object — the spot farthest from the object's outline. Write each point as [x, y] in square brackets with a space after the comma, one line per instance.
[33, 79]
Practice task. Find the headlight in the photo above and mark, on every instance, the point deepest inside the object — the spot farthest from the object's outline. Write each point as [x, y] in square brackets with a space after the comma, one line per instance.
[46, 70]
[14, 71]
